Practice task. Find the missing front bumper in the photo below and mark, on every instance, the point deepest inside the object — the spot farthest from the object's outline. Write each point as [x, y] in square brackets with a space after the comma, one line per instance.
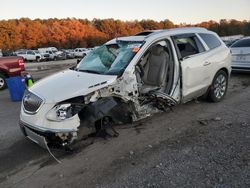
[45, 137]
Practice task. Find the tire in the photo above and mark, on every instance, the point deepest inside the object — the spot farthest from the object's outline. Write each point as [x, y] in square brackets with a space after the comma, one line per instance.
[38, 59]
[218, 89]
[2, 82]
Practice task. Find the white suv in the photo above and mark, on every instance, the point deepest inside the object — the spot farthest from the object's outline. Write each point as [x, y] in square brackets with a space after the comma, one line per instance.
[80, 52]
[125, 80]
[30, 55]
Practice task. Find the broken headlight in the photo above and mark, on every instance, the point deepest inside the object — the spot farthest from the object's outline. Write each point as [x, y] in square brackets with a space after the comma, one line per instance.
[63, 111]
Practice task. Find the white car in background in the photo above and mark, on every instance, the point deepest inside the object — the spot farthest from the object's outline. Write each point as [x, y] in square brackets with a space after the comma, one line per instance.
[81, 52]
[52, 55]
[30, 55]
[241, 55]
[125, 80]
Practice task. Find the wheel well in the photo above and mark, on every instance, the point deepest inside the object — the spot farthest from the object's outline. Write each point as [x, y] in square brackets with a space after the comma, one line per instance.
[225, 70]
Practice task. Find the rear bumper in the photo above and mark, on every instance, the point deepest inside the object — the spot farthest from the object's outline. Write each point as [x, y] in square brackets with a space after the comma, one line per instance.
[240, 69]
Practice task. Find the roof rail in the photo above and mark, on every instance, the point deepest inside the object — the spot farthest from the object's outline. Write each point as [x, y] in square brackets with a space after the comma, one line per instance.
[149, 33]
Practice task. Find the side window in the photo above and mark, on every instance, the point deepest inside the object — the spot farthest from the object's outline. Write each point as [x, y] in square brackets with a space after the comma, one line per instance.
[30, 53]
[188, 45]
[211, 40]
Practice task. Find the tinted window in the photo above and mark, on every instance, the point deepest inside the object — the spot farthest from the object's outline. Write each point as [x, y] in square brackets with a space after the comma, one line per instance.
[189, 45]
[211, 40]
[242, 43]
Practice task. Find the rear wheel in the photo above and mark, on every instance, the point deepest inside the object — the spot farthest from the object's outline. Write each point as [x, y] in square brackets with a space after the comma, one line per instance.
[219, 86]
[2, 81]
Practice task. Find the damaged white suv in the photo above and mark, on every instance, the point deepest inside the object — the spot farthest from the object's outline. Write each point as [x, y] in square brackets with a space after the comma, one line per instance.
[125, 80]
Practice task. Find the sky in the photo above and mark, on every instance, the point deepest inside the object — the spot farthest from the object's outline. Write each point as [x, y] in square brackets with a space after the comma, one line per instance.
[178, 11]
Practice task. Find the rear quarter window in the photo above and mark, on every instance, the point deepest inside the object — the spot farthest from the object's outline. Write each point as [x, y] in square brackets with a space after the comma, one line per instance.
[211, 40]
[242, 43]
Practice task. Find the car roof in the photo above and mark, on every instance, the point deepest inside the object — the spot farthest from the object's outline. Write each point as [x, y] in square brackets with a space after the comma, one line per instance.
[245, 38]
[150, 34]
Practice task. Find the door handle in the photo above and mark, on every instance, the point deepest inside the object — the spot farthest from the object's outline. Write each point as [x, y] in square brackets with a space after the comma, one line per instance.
[207, 63]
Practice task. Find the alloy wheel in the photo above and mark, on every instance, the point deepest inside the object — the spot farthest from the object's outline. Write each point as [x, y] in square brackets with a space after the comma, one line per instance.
[220, 86]
[2, 82]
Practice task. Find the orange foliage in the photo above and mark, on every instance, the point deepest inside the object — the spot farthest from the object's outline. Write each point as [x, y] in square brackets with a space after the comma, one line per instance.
[72, 33]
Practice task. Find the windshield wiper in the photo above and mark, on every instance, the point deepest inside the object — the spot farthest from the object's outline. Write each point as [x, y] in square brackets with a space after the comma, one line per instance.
[89, 71]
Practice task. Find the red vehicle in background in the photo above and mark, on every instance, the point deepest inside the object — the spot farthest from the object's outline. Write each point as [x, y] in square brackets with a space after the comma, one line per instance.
[10, 66]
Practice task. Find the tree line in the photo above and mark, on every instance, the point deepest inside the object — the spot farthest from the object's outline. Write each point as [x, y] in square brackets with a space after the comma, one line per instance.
[71, 33]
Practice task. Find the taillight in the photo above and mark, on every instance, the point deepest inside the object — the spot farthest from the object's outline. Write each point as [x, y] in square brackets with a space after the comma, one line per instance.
[21, 62]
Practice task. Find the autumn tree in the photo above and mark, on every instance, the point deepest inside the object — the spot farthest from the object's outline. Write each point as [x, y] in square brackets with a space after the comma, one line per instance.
[71, 32]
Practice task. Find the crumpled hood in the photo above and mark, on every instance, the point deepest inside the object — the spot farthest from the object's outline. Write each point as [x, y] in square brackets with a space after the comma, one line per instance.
[68, 84]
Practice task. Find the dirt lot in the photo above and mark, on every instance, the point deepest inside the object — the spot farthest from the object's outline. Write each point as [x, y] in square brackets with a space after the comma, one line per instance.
[199, 144]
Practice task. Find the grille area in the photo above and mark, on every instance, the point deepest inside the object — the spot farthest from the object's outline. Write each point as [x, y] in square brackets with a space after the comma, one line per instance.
[31, 102]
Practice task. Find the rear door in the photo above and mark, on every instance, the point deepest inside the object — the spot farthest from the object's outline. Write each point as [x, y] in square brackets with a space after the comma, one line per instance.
[194, 65]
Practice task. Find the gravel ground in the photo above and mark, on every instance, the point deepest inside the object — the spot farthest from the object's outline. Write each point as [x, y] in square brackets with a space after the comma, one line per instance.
[199, 144]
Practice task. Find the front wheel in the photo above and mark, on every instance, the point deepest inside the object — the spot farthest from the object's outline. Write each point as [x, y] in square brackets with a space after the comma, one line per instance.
[219, 86]
[2, 82]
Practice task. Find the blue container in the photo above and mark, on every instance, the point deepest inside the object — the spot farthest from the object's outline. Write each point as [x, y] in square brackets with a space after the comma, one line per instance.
[16, 88]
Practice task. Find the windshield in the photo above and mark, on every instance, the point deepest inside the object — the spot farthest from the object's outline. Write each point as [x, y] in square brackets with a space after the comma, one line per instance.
[111, 59]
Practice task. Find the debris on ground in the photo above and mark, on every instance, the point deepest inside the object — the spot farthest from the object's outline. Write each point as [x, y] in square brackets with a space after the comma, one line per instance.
[217, 119]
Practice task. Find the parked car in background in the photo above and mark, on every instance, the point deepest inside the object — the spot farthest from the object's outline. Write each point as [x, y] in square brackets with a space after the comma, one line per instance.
[10, 66]
[45, 56]
[80, 52]
[125, 80]
[229, 40]
[241, 55]
[53, 49]
[48, 53]
[69, 53]
[61, 55]
[30, 55]
[8, 53]
[52, 55]
[229, 43]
